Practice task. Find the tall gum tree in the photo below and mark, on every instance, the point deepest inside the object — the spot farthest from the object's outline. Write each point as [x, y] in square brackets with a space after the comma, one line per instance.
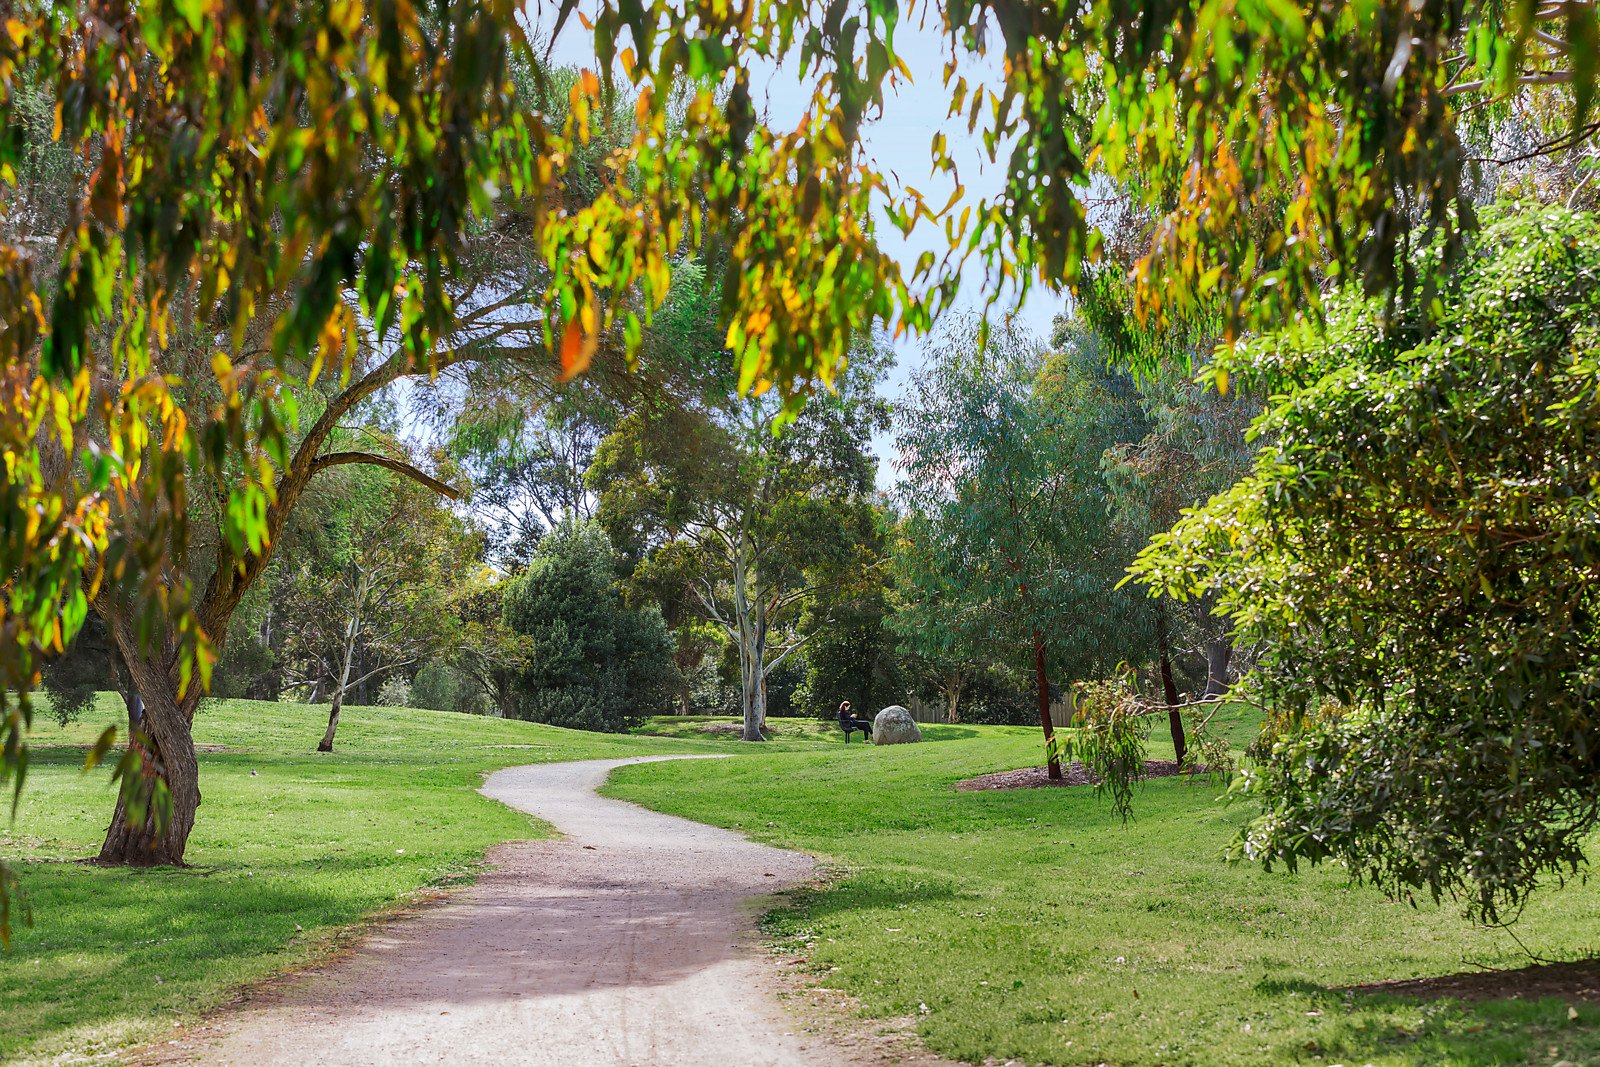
[371, 193]
[760, 518]
[1000, 448]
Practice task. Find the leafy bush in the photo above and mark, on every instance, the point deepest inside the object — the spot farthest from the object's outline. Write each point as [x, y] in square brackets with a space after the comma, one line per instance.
[442, 687]
[395, 692]
[1420, 546]
[1109, 736]
[990, 699]
[593, 663]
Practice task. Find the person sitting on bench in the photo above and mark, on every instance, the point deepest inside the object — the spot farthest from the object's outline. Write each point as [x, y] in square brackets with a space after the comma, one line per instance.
[848, 722]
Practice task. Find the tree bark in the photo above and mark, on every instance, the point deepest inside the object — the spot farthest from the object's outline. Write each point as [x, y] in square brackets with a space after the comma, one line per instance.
[165, 744]
[755, 712]
[952, 692]
[1042, 680]
[753, 693]
[363, 694]
[326, 744]
[1169, 689]
[1218, 651]
[750, 630]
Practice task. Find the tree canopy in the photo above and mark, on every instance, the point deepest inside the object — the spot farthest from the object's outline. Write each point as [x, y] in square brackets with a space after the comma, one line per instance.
[593, 662]
[1010, 549]
[243, 220]
[1416, 549]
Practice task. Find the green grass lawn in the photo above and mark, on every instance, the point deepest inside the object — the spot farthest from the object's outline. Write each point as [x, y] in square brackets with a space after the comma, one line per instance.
[1033, 925]
[281, 859]
[1029, 925]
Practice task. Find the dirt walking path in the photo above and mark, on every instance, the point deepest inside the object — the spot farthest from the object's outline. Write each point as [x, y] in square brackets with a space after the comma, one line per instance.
[627, 942]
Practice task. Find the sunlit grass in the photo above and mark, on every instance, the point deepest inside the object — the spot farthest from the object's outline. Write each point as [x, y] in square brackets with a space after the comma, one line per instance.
[1034, 925]
[281, 859]
[1010, 925]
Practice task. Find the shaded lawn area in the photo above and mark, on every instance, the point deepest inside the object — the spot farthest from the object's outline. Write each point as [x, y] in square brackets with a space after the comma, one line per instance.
[280, 860]
[1033, 925]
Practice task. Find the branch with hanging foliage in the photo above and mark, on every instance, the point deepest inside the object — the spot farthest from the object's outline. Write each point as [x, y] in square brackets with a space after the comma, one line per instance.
[1110, 731]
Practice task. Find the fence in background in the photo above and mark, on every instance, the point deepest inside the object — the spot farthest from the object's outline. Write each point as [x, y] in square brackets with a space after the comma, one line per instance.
[931, 712]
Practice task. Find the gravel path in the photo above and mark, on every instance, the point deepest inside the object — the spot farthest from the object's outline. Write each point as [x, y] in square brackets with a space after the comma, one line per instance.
[626, 942]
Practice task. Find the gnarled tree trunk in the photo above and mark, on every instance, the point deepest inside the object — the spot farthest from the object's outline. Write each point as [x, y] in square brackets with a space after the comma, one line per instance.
[165, 742]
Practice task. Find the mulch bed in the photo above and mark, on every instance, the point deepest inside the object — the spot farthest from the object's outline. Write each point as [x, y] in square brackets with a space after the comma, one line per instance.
[1072, 774]
[1578, 980]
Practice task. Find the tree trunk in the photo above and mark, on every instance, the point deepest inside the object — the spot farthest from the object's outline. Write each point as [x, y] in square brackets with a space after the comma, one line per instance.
[1218, 651]
[1042, 680]
[163, 739]
[753, 694]
[1169, 689]
[750, 620]
[326, 744]
[952, 692]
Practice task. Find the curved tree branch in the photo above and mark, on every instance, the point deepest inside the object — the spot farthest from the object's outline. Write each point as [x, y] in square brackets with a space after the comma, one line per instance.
[336, 459]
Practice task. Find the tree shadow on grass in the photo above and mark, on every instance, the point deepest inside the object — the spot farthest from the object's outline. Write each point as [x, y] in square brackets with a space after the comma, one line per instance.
[1574, 980]
[110, 945]
[1479, 1018]
[847, 895]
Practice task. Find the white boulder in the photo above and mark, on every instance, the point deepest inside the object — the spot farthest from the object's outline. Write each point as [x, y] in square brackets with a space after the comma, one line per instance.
[895, 726]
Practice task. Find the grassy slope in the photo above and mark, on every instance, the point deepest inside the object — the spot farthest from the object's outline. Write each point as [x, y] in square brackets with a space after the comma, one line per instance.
[281, 859]
[1033, 925]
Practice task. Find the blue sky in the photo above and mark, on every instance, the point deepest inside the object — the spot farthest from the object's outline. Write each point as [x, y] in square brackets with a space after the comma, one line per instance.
[898, 142]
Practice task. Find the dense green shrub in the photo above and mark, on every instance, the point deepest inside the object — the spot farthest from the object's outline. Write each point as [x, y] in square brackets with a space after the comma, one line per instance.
[593, 662]
[443, 687]
[395, 692]
[988, 699]
[1419, 547]
[854, 659]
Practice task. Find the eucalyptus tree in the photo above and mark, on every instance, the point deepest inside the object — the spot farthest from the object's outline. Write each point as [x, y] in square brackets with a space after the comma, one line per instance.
[852, 650]
[1007, 515]
[295, 182]
[1416, 549]
[1197, 447]
[761, 514]
[528, 478]
[944, 640]
[383, 599]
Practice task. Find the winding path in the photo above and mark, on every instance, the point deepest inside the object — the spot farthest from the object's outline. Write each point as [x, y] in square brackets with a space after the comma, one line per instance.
[624, 943]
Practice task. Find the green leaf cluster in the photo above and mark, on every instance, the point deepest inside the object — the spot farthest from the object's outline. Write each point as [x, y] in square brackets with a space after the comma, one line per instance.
[1418, 549]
